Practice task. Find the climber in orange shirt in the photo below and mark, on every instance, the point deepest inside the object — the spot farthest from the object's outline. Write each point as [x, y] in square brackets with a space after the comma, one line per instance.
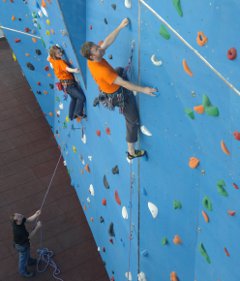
[114, 90]
[64, 73]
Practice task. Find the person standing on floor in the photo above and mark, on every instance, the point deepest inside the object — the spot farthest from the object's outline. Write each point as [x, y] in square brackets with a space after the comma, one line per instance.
[114, 90]
[64, 73]
[21, 239]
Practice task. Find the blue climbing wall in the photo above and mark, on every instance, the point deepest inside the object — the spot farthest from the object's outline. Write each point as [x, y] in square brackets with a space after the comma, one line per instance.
[162, 216]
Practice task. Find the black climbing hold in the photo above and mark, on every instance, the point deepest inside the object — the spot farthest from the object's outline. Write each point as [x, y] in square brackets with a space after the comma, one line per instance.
[111, 230]
[20, 19]
[105, 182]
[105, 21]
[110, 57]
[39, 92]
[115, 170]
[30, 66]
[101, 219]
[114, 6]
[51, 86]
[38, 52]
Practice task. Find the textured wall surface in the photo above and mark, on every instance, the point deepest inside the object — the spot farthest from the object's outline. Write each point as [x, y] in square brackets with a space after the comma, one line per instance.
[183, 201]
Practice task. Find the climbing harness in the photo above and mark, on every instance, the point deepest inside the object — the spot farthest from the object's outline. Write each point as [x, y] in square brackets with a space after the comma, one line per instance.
[44, 255]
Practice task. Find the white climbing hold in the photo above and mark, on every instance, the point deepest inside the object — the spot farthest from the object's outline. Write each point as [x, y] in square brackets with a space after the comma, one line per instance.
[44, 11]
[88, 200]
[128, 4]
[128, 275]
[65, 163]
[99, 249]
[58, 112]
[155, 61]
[40, 13]
[153, 209]
[142, 276]
[90, 158]
[124, 213]
[91, 190]
[145, 131]
[84, 138]
[61, 106]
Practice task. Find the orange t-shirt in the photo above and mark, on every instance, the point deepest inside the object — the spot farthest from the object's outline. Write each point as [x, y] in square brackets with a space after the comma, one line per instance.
[59, 67]
[104, 75]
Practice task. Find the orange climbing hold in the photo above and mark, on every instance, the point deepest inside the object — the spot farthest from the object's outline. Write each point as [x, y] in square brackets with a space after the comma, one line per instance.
[13, 18]
[87, 168]
[224, 148]
[186, 68]
[177, 240]
[199, 109]
[205, 216]
[226, 252]
[117, 198]
[201, 38]
[34, 40]
[193, 162]
[43, 4]
[173, 276]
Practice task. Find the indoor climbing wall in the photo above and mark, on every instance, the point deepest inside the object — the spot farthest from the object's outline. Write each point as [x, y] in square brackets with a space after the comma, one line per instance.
[171, 216]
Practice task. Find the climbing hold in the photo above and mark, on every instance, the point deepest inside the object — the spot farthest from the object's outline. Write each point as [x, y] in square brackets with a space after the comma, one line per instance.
[128, 275]
[164, 32]
[205, 216]
[27, 30]
[74, 149]
[46, 68]
[91, 190]
[111, 230]
[87, 168]
[153, 209]
[207, 203]
[34, 39]
[199, 109]
[155, 61]
[145, 131]
[114, 6]
[98, 133]
[164, 241]
[226, 252]
[84, 138]
[144, 253]
[43, 4]
[190, 113]
[90, 27]
[221, 189]
[115, 170]
[105, 182]
[206, 101]
[177, 5]
[235, 186]
[17, 40]
[224, 148]
[14, 57]
[27, 55]
[110, 56]
[201, 38]
[105, 21]
[45, 93]
[236, 135]
[51, 86]
[177, 240]
[204, 253]
[48, 32]
[39, 83]
[128, 4]
[108, 131]
[104, 202]
[141, 276]
[50, 114]
[186, 68]
[232, 54]
[44, 11]
[173, 276]
[124, 213]
[48, 22]
[193, 162]
[117, 198]
[92, 219]
[38, 52]
[212, 111]
[30, 66]
[177, 204]
[101, 219]
[13, 18]
[231, 213]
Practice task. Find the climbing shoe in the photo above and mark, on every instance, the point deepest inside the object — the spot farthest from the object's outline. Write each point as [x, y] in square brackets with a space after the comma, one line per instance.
[138, 153]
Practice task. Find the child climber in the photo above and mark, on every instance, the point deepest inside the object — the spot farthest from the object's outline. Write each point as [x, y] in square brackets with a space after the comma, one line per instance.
[66, 78]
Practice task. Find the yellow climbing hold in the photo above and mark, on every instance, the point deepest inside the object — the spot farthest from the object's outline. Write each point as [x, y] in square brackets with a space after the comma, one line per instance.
[67, 119]
[74, 149]
[48, 22]
[14, 57]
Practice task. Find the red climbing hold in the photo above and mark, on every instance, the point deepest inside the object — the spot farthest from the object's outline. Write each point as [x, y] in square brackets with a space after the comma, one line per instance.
[104, 202]
[27, 30]
[39, 83]
[235, 185]
[231, 213]
[111, 240]
[112, 278]
[17, 40]
[90, 27]
[98, 133]
[108, 131]
[232, 54]
[117, 198]
[46, 68]
[237, 135]
[226, 252]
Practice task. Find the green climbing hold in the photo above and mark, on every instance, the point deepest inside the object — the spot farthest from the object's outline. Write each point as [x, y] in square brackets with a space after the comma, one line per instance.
[190, 113]
[177, 5]
[164, 241]
[57, 99]
[212, 111]
[204, 253]
[43, 42]
[177, 204]
[164, 32]
[207, 203]
[206, 101]
[221, 190]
